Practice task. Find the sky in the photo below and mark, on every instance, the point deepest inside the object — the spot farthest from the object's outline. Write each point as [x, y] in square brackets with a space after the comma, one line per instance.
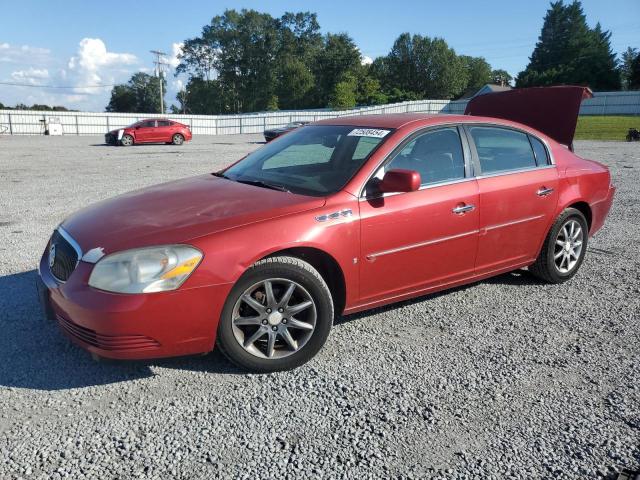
[80, 44]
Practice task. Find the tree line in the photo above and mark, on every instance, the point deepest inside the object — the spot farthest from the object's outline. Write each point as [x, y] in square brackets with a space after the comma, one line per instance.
[248, 61]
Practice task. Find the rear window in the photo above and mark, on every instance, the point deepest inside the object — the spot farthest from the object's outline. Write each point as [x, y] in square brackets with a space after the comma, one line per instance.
[540, 151]
[164, 123]
[502, 150]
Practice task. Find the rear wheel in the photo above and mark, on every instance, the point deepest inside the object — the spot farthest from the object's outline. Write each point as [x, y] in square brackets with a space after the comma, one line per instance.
[277, 317]
[126, 140]
[564, 248]
[177, 139]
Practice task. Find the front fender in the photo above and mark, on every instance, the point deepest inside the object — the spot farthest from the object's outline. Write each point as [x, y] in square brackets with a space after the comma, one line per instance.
[230, 253]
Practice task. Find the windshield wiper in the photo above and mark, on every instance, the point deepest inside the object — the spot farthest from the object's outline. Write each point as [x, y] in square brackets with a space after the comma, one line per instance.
[260, 183]
[220, 174]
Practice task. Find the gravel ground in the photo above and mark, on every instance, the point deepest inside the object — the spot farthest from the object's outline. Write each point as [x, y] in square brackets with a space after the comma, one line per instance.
[504, 378]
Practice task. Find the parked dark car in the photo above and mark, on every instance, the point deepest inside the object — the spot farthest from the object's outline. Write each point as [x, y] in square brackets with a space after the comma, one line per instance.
[276, 132]
[152, 130]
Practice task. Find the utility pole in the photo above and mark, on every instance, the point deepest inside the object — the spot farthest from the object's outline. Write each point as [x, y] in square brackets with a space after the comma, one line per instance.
[160, 65]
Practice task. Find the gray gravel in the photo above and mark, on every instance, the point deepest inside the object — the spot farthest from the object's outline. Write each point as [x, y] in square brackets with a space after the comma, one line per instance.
[505, 378]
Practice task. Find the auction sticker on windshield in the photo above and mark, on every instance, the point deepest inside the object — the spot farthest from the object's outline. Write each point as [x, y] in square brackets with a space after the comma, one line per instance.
[368, 132]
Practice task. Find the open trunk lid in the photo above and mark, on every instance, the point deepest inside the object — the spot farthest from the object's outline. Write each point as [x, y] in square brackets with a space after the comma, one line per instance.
[550, 110]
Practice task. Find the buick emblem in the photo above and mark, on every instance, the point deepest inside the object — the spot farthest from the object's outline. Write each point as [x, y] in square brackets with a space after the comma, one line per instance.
[52, 255]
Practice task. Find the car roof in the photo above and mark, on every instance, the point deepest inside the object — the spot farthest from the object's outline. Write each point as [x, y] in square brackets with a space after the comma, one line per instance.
[398, 120]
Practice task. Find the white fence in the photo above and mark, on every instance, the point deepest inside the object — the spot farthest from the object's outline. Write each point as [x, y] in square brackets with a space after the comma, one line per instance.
[25, 122]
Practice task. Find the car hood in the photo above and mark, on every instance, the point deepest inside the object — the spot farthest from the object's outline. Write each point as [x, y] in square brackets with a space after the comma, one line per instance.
[179, 211]
[550, 110]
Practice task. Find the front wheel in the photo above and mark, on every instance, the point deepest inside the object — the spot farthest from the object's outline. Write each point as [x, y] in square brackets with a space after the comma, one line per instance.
[126, 140]
[564, 248]
[277, 316]
[177, 139]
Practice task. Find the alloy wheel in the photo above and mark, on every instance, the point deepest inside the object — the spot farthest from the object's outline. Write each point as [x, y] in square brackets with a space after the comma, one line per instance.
[568, 246]
[274, 318]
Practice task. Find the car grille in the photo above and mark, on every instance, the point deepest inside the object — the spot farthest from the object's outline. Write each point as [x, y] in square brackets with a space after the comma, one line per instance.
[65, 258]
[106, 342]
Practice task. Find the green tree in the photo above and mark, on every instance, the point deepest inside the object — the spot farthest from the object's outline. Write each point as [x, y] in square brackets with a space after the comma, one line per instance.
[123, 99]
[569, 52]
[260, 62]
[344, 93]
[141, 94]
[2, 106]
[478, 71]
[338, 57]
[295, 83]
[634, 75]
[369, 91]
[626, 66]
[424, 66]
[501, 77]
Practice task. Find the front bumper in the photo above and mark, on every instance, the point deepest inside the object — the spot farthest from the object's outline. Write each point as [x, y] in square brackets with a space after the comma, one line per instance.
[110, 139]
[120, 326]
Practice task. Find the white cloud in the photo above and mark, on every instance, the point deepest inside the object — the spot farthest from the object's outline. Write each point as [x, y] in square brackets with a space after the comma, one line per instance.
[176, 49]
[93, 57]
[30, 75]
[366, 60]
[18, 54]
[177, 84]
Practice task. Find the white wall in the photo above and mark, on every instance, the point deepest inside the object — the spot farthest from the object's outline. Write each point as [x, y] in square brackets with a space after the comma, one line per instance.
[23, 122]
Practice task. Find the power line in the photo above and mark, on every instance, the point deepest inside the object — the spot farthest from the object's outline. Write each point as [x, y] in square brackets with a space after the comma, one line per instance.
[32, 85]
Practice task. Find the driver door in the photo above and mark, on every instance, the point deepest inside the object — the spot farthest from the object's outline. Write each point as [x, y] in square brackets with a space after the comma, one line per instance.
[426, 238]
[146, 131]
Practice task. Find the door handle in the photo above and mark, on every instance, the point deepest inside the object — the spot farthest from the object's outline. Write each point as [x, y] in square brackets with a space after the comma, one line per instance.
[463, 209]
[544, 191]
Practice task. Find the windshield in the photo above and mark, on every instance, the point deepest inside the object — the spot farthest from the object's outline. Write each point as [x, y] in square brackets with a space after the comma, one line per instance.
[313, 160]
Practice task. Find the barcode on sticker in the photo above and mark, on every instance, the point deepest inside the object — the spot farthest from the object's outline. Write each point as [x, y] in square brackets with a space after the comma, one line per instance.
[368, 132]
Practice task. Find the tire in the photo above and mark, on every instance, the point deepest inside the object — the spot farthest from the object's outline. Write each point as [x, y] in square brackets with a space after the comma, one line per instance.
[239, 331]
[177, 139]
[126, 141]
[558, 263]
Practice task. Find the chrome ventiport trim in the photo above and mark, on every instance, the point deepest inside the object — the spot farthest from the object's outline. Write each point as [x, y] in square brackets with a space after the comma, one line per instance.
[93, 255]
[347, 212]
[373, 256]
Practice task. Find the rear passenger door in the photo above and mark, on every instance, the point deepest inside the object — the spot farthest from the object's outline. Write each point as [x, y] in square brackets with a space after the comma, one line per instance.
[164, 131]
[517, 187]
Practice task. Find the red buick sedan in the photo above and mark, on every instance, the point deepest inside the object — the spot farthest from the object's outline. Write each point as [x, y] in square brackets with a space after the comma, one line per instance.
[336, 217]
[152, 130]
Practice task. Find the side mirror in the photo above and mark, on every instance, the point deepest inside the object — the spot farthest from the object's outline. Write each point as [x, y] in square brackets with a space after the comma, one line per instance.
[398, 180]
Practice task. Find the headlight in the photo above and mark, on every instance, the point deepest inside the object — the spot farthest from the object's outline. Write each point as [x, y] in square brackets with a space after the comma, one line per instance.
[145, 270]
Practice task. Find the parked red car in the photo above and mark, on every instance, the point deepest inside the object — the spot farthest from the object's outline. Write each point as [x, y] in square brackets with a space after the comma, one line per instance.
[336, 217]
[152, 130]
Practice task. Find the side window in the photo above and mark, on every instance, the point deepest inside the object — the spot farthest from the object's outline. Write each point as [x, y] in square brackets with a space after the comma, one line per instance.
[501, 149]
[364, 147]
[437, 156]
[148, 124]
[164, 123]
[540, 151]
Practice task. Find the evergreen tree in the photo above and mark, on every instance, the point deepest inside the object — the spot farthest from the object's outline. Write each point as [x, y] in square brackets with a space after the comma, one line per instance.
[569, 52]
[629, 56]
